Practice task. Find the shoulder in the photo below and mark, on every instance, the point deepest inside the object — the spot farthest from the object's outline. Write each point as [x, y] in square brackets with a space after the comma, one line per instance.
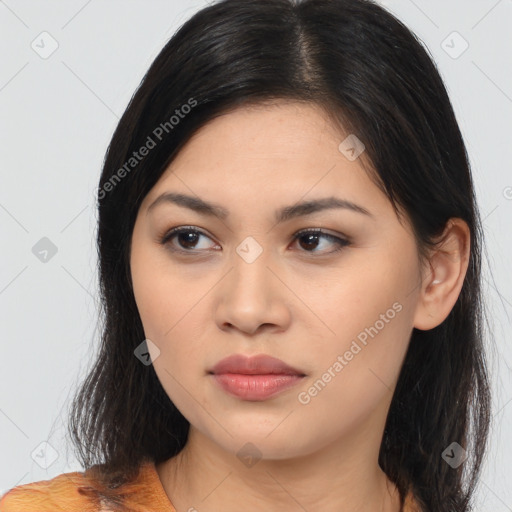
[60, 494]
[81, 492]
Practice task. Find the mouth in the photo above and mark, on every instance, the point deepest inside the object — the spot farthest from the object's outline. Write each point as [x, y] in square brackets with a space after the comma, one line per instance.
[255, 378]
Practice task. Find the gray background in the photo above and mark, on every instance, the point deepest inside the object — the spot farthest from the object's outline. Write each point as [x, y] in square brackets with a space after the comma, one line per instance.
[57, 115]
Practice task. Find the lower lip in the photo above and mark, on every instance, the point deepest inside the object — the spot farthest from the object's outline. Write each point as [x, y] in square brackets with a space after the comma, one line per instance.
[255, 387]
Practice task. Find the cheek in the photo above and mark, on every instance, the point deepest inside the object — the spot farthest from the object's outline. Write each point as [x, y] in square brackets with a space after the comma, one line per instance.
[170, 320]
[169, 305]
[354, 379]
[163, 294]
[365, 297]
[370, 316]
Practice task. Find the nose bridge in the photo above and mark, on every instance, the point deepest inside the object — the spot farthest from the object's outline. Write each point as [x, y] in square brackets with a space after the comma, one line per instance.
[251, 275]
[250, 294]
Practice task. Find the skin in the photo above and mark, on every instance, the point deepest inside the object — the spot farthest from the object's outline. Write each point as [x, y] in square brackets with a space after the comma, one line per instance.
[300, 302]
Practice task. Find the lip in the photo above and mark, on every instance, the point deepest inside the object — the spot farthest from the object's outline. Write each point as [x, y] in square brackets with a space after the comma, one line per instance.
[255, 378]
[260, 364]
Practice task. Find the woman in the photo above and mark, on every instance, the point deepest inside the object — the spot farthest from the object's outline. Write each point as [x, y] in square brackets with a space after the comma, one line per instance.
[289, 253]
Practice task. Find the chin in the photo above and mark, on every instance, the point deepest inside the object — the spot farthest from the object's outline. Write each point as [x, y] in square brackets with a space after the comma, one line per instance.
[259, 445]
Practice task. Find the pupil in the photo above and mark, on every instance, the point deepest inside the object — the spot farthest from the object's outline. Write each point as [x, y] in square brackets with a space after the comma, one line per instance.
[309, 239]
[188, 237]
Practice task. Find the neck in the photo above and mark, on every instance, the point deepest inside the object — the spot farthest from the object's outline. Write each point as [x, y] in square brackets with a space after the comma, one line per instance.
[344, 476]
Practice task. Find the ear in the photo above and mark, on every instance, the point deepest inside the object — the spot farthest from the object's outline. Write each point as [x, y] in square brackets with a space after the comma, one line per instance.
[442, 282]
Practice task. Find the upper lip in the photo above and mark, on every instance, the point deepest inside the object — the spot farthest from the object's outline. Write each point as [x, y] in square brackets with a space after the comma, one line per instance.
[260, 364]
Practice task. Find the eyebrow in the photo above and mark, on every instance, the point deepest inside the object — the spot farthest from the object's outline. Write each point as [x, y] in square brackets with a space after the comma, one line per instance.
[282, 215]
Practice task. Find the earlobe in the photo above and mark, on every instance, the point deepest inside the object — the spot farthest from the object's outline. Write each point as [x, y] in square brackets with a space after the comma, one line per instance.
[441, 286]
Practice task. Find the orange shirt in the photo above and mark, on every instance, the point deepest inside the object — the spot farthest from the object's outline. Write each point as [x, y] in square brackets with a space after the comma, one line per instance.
[61, 494]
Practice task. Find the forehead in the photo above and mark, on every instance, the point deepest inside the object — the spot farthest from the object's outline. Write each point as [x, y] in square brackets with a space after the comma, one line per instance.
[271, 129]
[283, 142]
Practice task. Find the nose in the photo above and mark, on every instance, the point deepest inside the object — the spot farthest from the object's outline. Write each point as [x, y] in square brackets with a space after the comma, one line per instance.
[252, 297]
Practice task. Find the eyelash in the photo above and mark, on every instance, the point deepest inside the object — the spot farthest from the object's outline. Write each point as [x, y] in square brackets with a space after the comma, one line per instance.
[169, 235]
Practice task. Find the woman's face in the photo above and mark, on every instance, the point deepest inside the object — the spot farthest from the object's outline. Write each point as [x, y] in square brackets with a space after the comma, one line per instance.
[341, 312]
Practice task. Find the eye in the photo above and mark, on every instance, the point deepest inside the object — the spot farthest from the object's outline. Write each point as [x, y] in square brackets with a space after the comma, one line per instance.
[187, 238]
[312, 236]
